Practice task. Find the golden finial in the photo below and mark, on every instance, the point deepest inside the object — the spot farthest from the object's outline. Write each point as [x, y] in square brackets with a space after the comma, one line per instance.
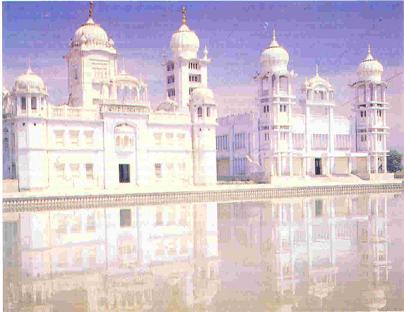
[316, 69]
[90, 11]
[369, 48]
[273, 35]
[184, 15]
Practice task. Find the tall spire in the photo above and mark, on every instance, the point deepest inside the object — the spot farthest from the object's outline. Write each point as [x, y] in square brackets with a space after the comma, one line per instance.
[90, 11]
[369, 57]
[274, 43]
[184, 15]
[29, 70]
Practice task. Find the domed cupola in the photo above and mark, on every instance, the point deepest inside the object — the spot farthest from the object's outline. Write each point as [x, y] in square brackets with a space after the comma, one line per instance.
[30, 83]
[275, 58]
[370, 69]
[318, 81]
[91, 33]
[184, 42]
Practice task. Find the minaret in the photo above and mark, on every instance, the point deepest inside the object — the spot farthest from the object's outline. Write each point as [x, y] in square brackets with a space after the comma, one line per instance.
[370, 108]
[274, 104]
[185, 71]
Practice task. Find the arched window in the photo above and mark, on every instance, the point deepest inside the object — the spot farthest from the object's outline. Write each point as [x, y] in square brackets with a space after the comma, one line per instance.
[273, 83]
[283, 84]
[208, 111]
[23, 103]
[117, 141]
[372, 92]
[381, 93]
[362, 94]
[200, 112]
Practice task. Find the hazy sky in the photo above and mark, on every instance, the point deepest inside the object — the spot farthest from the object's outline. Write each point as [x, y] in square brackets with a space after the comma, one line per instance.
[333, 35]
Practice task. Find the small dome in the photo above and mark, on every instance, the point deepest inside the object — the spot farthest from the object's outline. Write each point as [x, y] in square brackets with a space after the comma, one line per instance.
[90, 32]
[124, 76]
[317, 80]
[30, 82]
[184, 42]
[275, 58]
[370, 68]
[202, 95]
[168, 105]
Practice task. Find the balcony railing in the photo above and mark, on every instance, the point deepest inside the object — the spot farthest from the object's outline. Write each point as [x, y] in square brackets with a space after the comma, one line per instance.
[66, 112]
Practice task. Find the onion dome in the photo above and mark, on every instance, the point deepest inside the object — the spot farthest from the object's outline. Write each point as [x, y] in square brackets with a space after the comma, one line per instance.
[370, 68]
[90, 32]
[275, 58]
[317, 80]
[184, 42]
[202, 95]
[30, 82]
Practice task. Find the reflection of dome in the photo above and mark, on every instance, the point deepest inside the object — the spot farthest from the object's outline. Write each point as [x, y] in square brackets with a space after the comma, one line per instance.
[374, 299]
[202, 95]
[370, 68]
[30, 82]
[92, 33]
[184, 42]
[274, 58]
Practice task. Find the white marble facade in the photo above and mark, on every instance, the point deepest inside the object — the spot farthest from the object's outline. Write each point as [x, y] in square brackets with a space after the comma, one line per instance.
[285, 138]
[108, 134]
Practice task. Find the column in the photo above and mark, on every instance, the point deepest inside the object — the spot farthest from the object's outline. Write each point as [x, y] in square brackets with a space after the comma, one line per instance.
[279, 164]
[375, 160]
[304, 166]
[368, 163]
[290, 164]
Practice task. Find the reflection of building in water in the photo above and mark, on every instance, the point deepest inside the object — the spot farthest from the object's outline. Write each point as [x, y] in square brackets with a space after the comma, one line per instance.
[373, 246]
[302, 244]
[111, 259]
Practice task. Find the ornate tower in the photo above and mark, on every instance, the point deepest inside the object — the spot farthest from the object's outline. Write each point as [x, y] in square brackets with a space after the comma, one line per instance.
[318, 98]
[275, 101]
[203, 115]
[185, 71]
[29, 156]
[370, 108]
[92, 65]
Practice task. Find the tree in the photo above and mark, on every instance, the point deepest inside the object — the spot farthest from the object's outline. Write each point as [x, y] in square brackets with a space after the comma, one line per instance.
[394, 161]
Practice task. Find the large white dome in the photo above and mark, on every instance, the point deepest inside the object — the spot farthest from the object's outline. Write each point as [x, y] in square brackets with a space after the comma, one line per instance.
[30, 82]
[91, 33]
[275, 58]
[370, 68]
[184, 42]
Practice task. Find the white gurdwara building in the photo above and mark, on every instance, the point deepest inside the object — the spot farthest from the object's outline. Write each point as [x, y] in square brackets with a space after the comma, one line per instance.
[285, 139]
[108, 134]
